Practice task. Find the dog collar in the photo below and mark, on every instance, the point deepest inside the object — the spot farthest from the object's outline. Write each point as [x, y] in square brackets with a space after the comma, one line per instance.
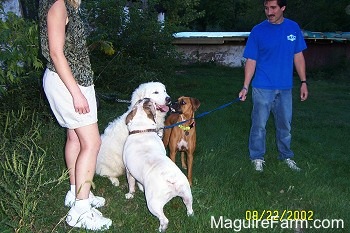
[187, 128]
[142, 131]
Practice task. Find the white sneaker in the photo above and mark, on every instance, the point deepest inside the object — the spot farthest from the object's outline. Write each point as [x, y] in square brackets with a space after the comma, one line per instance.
[292, 164]
[90, 220]
[95, 201]
[258, 164]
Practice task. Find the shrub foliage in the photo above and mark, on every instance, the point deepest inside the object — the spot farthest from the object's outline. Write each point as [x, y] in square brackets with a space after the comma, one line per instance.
[23, 176]
[19, 46]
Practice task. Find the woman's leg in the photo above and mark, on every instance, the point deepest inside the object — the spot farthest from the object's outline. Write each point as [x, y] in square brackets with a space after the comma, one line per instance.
[72, 151]
[81, 214]
[82, 147]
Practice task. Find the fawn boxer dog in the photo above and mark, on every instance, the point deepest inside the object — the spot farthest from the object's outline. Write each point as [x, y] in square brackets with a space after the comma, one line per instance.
[146, 162]
[182, 138]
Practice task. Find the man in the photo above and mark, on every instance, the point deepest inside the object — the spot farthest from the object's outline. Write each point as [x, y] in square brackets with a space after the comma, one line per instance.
[272, 48]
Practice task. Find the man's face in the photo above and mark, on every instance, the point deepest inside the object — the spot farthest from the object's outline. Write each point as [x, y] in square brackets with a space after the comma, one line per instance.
[273, 12]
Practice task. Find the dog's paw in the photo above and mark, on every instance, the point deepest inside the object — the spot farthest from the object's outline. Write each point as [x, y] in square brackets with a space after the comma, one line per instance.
[163, 226]
[190, 214]
[114, 180]
[129, 196]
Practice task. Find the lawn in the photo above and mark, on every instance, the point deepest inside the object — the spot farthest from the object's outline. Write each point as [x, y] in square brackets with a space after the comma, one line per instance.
[226, 189]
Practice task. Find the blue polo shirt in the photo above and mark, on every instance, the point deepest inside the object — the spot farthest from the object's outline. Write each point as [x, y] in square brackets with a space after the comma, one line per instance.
[273, 46]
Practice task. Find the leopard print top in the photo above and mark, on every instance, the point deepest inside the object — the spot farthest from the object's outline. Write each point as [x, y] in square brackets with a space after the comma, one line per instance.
[75, 49]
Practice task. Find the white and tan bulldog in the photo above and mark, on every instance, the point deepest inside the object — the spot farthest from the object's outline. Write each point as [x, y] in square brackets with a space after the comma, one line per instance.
[146, 162]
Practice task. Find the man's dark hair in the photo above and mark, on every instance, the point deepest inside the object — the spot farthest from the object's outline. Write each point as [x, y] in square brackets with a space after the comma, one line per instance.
[280, 3]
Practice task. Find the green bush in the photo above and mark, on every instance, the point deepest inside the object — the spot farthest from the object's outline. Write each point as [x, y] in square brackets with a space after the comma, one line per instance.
[19, 46]
[143, 50]
[20, 65]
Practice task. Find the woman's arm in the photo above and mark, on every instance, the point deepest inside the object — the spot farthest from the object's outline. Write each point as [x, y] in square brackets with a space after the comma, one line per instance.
[57, 19]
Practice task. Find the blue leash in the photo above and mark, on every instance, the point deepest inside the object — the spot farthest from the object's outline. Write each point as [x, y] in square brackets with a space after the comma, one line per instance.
[204, 113]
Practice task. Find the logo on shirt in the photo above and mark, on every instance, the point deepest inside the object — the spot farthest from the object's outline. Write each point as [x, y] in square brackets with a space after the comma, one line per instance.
[291, 37]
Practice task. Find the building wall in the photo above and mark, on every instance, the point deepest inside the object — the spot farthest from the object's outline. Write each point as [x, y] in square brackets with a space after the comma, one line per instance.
[320, 53]
[326, 54]
[228, 55]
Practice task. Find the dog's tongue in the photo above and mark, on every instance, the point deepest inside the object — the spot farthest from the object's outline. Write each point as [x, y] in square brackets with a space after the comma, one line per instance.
[163, 108]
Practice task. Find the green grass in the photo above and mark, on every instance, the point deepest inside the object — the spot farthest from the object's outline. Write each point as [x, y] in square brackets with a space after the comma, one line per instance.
[225, 183]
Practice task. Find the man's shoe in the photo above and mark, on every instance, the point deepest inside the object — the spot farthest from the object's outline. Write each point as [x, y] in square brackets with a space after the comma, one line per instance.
[95, 201]
[90, 220]
[258, 164]
[292, 164]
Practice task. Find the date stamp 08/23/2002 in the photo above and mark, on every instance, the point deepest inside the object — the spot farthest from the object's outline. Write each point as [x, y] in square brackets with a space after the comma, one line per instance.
[268, 219]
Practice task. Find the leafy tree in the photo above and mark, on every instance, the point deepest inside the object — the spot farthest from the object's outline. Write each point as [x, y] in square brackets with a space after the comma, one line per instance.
[321, 15]
[242, 15]
[30, 9]
[219, 15]
[143, 48]
[180, 13]
[19, 47]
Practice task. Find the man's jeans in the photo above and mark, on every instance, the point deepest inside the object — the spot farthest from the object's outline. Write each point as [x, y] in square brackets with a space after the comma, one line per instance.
[279, 102]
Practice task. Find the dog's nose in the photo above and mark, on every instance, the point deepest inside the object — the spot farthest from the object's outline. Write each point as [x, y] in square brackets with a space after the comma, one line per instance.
[168, 100]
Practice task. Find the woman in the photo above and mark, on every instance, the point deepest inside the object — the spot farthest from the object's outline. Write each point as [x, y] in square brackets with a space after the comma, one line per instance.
[68, 85]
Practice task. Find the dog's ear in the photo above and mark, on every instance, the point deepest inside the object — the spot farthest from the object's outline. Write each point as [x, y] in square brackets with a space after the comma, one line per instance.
[149, 109]
[130, 116]
[149, 113]
[195, 104]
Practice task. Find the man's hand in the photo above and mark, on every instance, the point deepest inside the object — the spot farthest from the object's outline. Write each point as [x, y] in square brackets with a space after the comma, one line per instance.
[303, 92]
[243, 94]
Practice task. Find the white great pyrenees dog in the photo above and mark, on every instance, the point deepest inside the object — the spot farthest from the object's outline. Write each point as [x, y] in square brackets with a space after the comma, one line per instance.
[146, 162]
[110, 157]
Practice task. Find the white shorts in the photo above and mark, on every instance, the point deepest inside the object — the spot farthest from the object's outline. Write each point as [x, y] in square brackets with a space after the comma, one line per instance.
[61, 102]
